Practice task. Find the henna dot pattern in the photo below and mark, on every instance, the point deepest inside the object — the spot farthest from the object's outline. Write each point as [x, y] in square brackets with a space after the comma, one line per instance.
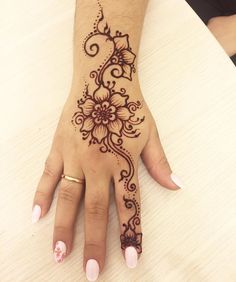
[106, 116]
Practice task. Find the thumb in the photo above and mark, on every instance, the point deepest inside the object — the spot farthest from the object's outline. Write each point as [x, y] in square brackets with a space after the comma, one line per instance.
[157, 164]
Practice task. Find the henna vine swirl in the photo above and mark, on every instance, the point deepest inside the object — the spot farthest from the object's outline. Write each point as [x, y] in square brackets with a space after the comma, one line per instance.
[106, 115]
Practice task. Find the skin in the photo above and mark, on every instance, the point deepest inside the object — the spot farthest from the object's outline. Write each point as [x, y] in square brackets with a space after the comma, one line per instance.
[224, 29]
[73, 156]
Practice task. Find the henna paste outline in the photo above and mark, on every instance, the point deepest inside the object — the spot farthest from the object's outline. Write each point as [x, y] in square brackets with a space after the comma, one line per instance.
[106, 114]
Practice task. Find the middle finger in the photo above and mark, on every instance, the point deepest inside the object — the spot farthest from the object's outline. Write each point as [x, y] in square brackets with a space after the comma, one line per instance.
[96, 218]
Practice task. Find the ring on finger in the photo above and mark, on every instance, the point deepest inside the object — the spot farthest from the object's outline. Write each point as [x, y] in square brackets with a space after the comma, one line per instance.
[73, 179]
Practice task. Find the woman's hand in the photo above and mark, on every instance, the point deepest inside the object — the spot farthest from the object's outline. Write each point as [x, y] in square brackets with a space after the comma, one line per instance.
[104, 128]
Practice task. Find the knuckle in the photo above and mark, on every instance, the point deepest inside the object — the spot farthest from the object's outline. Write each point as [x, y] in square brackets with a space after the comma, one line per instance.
[163, 160]
[49, 169]
[67, 193]
[96, 209]
[151, 168]
[97, 246]
[60, 229]
[42, 194]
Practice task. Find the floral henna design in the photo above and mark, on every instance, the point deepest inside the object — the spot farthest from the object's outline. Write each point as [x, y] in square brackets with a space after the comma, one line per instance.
[130, 237]
[106, 115]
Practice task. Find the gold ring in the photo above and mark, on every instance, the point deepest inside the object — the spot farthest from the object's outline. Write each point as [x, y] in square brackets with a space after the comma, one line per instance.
[70, 178]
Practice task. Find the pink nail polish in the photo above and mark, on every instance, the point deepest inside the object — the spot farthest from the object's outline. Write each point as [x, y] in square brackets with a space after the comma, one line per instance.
[59, 251]
[131, 257]
[92, 270]
[176, 180]
[36, 213]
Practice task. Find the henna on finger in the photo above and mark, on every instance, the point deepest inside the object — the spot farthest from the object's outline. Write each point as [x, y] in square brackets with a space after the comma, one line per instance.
[107, 116]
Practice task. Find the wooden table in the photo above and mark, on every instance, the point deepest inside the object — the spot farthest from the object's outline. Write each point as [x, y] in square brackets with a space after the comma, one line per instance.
[190, 85]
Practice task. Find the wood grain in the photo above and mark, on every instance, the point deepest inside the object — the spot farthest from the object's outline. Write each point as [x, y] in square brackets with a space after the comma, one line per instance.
[190, 85]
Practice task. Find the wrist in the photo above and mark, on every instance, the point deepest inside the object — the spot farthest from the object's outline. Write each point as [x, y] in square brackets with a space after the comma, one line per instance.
[105, 49]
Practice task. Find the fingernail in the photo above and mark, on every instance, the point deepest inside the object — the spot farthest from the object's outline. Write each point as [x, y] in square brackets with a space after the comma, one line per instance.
[92, 270]
[131, 257]
[60, 251]
[176, 180]
[36, 213]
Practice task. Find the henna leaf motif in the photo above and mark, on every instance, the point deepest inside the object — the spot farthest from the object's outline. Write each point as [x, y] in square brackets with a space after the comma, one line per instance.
[106, 115]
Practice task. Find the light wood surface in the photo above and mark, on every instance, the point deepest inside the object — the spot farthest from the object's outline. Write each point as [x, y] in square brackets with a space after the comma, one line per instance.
[190, 85]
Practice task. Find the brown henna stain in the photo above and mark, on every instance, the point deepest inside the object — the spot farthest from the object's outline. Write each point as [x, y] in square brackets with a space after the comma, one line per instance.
[107, 115]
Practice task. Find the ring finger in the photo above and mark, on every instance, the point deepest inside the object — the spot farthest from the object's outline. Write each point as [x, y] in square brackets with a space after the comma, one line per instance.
[69, 196]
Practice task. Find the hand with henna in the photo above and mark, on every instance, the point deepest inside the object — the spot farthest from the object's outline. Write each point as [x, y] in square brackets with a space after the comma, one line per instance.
[104, 128]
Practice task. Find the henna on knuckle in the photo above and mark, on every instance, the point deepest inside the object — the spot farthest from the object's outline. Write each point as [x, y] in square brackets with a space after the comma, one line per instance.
[106, 116]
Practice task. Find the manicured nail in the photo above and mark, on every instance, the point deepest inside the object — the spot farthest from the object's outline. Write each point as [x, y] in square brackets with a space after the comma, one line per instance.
[36, 213]
[60, 251]
[131, 257]
[92, 270]
[176, 180]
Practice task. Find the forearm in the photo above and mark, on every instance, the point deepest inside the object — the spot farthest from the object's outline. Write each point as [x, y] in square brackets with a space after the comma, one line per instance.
[96, 20]
[224, 29]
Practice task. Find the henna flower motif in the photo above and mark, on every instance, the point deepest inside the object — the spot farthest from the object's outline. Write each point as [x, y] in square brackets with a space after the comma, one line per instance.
[131, 238]
[105, 113]
[124, 55]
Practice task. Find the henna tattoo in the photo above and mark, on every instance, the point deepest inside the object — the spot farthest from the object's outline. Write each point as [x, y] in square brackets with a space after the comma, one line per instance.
[106, 115]
[130, 237]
